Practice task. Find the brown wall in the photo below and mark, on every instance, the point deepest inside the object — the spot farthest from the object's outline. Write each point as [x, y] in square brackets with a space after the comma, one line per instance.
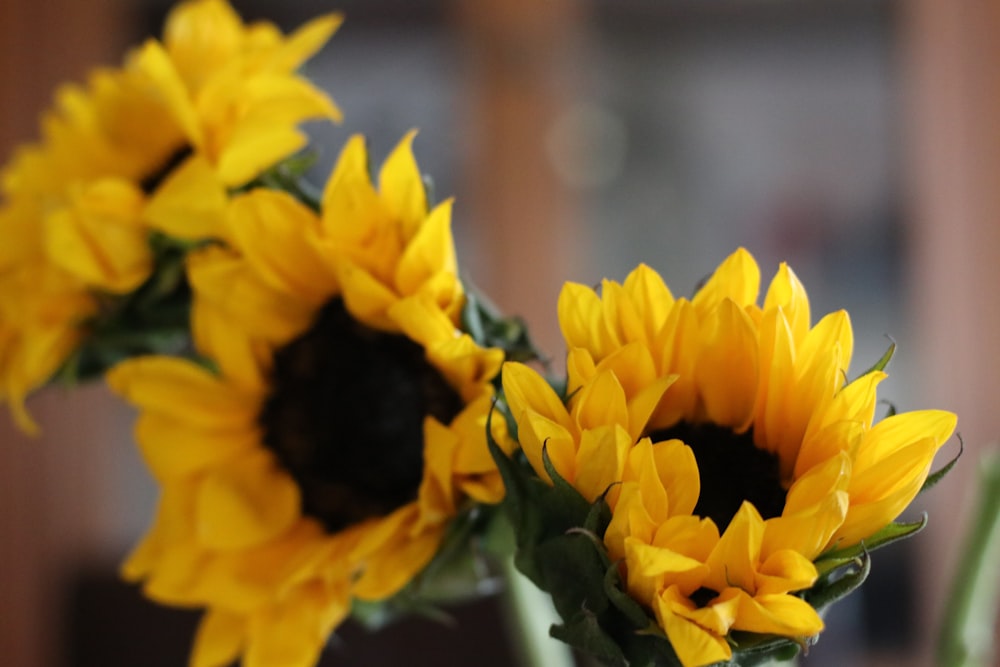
[952, 107]
[51, 489]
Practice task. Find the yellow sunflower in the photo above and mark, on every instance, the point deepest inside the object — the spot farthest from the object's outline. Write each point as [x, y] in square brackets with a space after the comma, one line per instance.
[342, 429]
[748, 459]
[154, 145]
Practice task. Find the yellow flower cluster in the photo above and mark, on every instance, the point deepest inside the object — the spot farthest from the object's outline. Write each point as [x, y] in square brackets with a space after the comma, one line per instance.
[732, 451]
[154, 145]
[252, 522]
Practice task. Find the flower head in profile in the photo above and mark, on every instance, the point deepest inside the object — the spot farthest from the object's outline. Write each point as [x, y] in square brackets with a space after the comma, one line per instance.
[146, 151]
[743, 459]
[340, 430]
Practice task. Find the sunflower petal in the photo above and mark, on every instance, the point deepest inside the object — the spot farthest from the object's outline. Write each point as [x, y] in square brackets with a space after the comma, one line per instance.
[402, 186]
[727, 371]
[220, 639]
[245, 504]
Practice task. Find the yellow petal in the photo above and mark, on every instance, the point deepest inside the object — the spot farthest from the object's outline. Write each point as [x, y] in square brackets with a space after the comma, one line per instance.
[243, 360]
[152, 61]
[473, 456]
[600, 402]
[402, 187]
[633, 366]
[689, 535]
[430, 252]
[620, 314]
[818, 482]
[182, 390]
[786, 292]
[695, 645]
[728, 367]
[628, 519]
[810, 531]
[681, 342]
[536, 433]
[524, 388]
[737, 279]
[581, 320]
[866, 518]
[258, 145]
[436, 493]
[466, 366]
[386, 572]
[643, 406]
[773, 431]
[422, 321]
[652, 299]
[351, 206]
[277, 236]
[600, 460]
[200, 34]
[855, 405]
[365, 297]
[580, 369]
[220, 639]
[815, 508]
[650, 569]
[834, 439]
[677, 469]
[306, 41]
[98, 238]
[784, 571]
[294, 632]
[784, 615]
[171, 447]
[245, 504]
[225, 282]
[898, 431]
[734, 558]
[190, 203]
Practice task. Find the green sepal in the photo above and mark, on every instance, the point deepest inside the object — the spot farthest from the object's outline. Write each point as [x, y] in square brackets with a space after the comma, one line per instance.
[894, 532]
[622, 601]
[751, 649]
[483, 321]
[289, 176]
[936, 477]
[884, 360]
[839, 582]
[584, 632]
[464, 567]
[152, 319]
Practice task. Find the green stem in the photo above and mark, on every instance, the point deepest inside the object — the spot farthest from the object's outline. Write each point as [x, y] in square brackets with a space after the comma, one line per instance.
[530, 614]
[967, 636]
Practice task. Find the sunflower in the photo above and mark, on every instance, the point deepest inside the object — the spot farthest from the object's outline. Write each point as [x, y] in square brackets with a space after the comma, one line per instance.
[740, 456]
[151, 147]
[339, 428]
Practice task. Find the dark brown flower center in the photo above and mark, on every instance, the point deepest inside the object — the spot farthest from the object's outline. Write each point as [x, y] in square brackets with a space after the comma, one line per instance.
[346, 415]
[732, 469]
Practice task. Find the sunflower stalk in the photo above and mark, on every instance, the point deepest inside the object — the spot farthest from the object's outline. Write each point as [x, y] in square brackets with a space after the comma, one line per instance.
[967, 637]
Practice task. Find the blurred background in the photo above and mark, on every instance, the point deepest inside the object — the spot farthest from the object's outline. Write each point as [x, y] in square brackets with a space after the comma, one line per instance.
[856, 140]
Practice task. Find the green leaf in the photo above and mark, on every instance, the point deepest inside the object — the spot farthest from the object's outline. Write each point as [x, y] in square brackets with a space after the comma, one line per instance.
[936, 477]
